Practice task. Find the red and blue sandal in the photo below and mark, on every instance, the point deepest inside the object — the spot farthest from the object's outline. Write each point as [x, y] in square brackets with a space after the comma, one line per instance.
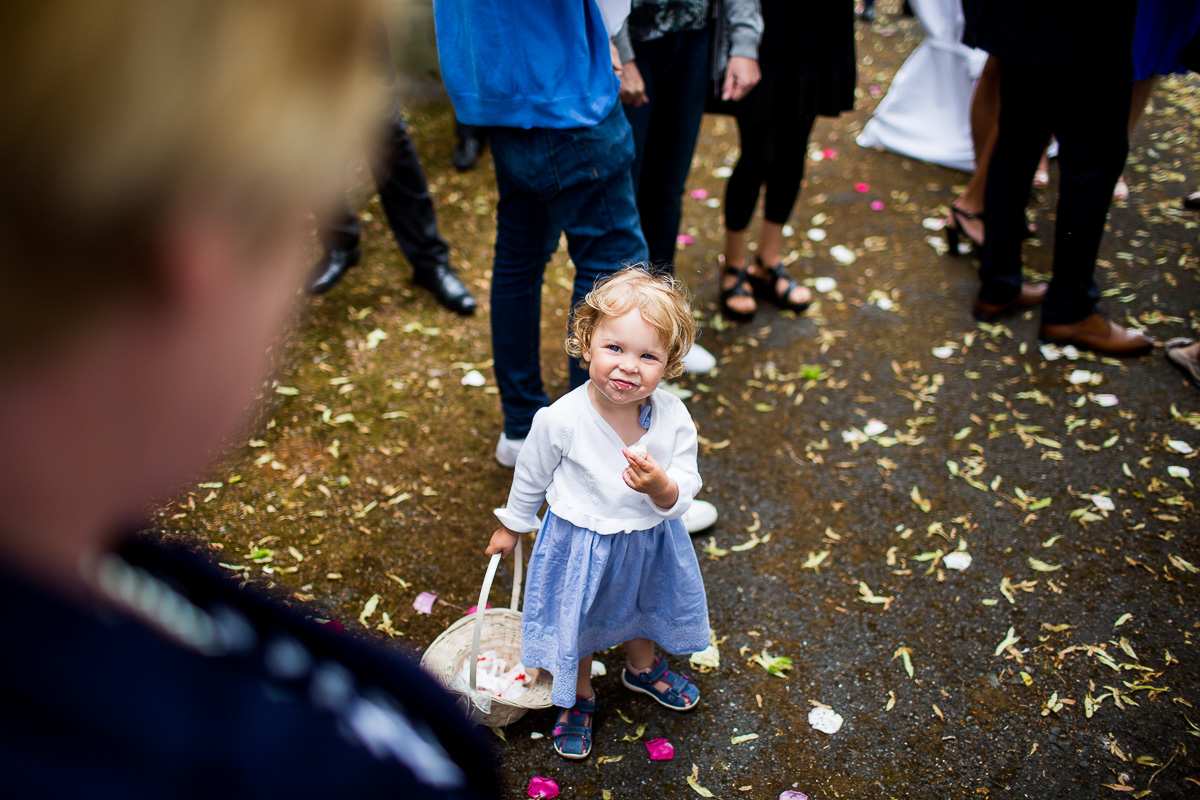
[573, 738]
[680, 695]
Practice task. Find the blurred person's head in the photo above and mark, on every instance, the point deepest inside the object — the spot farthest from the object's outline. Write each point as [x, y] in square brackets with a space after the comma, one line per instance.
[158, 160]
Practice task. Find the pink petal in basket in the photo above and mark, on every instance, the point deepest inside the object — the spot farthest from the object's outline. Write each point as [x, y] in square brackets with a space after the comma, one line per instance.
[542, 788]
[660, 750]
[424, 602]
[790, 795]
[473, 609]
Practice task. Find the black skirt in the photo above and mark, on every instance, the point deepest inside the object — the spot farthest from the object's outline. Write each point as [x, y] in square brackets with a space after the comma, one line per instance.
[807, 62]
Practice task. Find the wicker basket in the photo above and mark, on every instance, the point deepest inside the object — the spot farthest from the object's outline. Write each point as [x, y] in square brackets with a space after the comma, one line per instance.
[496, 629]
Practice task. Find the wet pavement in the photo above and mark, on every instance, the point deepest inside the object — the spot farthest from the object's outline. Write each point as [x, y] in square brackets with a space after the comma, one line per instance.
[850, 451]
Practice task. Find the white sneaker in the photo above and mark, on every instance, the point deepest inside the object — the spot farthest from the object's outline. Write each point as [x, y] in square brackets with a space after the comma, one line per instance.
[507, 450]
[698, 361]
[701, 514]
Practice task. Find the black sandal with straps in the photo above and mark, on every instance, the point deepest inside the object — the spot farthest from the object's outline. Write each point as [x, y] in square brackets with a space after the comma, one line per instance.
[740, 288]
[768, 287]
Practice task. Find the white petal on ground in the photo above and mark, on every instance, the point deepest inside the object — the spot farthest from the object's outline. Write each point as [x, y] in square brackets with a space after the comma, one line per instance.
[874, 427]
[842, 254]
[816, 234]
[824, 285]
[826, 720]
[945, 351]
[474, 378]
[1102, 502]
[959, 560]
[1180, 446]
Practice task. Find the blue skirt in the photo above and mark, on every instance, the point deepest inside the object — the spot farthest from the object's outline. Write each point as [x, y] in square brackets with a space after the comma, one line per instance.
[587, 592]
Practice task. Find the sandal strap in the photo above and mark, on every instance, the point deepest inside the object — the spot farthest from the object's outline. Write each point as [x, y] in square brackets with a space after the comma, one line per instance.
[677, 682]
[742, 286]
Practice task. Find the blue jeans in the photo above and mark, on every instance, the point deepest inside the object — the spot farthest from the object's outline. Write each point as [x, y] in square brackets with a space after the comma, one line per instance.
[675, 70]
[575, 181]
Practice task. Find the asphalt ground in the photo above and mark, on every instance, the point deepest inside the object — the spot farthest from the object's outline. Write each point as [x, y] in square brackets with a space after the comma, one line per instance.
[850, 451]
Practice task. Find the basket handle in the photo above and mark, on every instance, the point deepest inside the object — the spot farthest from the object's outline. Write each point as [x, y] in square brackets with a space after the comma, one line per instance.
[481, 606]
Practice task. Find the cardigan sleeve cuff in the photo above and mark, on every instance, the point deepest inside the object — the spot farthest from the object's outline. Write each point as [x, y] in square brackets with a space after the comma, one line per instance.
[517, 522]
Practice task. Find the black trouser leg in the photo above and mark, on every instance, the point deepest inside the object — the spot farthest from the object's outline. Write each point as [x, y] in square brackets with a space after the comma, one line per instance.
[1091, 123]
[1024, 127]
[406, 200]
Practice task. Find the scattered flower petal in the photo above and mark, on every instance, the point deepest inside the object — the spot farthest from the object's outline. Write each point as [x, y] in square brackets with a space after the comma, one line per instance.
[829, 152]
[933, 224]
[824, 285]
[826, 720]
[722, 172]
[598, 669]
[424, 602]
[945, 351]
[877, 205]
[1102, 502]
[660, 750]
[1105, 400]
[1180, 446]
[699, 194]
[1179, 472]
[862, 187]
[959, 560]
[789, 794]
[683, 239]
[874, 427]
[474, 378]
[816, 234]
[842, 254]
[712, 202]
[1080, 376]
[542, 788]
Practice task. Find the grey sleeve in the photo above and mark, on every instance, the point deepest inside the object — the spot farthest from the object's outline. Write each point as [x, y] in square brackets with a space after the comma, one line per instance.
[744, 18]
[625, 47]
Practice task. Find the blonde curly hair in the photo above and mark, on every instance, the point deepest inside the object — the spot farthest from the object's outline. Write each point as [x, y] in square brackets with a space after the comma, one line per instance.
[658, 297]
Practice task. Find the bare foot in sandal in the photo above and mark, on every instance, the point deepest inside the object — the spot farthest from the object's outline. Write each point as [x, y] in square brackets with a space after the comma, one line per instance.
[780, 288]
[737, 297]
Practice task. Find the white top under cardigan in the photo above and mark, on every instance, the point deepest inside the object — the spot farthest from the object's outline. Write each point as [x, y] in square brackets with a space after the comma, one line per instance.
[572, 459]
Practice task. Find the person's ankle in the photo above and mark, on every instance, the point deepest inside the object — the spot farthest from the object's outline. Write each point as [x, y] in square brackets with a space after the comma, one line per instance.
[632, 670]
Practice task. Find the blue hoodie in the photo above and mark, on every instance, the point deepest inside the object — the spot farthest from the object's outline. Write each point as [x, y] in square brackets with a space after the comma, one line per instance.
[526, 63]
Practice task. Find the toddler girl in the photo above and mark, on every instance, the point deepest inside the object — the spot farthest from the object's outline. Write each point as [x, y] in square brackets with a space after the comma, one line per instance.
[616, 461]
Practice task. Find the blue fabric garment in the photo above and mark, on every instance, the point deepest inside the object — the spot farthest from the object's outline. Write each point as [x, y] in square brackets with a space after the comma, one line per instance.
[1163, 28]
[532, 64]
[588, 592]
[575, 181]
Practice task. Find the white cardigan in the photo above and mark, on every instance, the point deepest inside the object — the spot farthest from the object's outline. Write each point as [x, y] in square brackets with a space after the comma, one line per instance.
[572, 459]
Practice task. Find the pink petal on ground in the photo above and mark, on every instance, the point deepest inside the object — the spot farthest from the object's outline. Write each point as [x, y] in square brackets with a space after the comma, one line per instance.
[683, 239]
[424, 602]
[862, 187]
[875, 91]
[660, 750]
[699, 194]
[542, 788]
[473, 609]
[790, 795]
[877, 205]
[829, 153]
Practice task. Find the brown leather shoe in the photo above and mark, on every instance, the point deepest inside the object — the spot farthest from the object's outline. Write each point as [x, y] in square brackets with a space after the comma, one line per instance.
[1099, 333]
[1031, 294]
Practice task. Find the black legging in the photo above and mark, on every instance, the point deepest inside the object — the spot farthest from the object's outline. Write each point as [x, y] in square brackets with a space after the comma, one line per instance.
[772, 153]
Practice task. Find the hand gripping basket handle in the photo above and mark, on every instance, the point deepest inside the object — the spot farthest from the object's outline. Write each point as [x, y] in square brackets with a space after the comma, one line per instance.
[481, 606]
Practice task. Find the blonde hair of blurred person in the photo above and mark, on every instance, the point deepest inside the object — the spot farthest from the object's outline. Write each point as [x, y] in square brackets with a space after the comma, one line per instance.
[157, 164]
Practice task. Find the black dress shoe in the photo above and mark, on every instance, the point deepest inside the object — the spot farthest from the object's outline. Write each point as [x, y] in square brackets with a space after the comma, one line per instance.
[447, 288]
[330, 269]
[466, 154]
